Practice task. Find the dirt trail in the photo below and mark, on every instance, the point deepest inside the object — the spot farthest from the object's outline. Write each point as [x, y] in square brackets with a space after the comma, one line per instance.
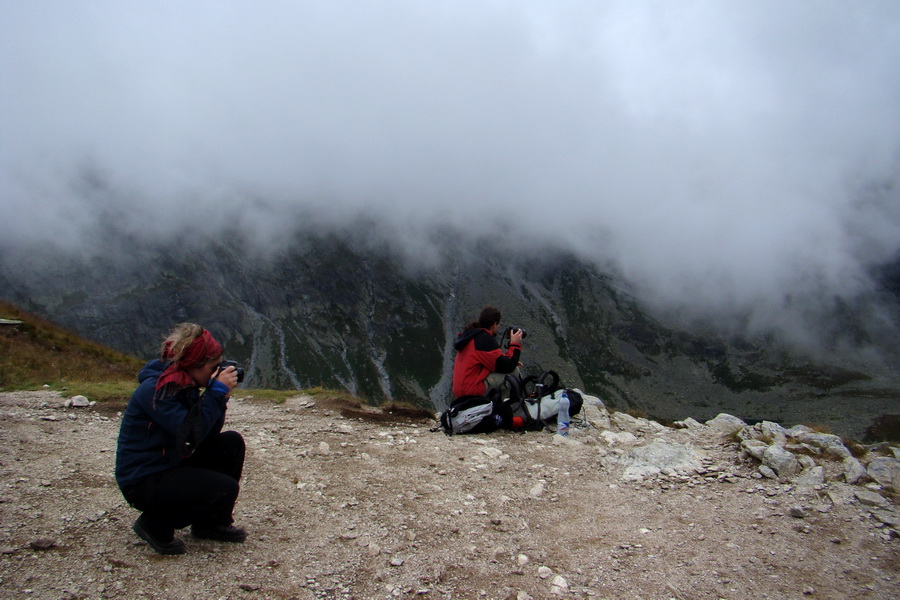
[342, 507]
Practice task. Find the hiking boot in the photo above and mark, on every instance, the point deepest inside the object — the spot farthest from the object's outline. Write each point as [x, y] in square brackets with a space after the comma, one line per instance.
[157, 542]
[222, 533]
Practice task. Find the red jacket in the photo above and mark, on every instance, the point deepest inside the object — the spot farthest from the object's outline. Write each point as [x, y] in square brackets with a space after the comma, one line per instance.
[478, 356]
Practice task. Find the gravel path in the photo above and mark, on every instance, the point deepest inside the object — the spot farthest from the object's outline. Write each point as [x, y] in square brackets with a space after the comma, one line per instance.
[341, 507]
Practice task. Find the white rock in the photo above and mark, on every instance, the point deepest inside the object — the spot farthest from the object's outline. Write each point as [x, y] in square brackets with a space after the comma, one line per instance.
[854, 471]
[492, 452]
[626, 421]
[781, 461]
[544, 572]
[886, 471]
[691, 424]
[522, 560]
[651, 459]
[79, 401]
[755, 448]
[767, 472]
[726, 424]
[623, 438]
[559, 586]
[811, 477]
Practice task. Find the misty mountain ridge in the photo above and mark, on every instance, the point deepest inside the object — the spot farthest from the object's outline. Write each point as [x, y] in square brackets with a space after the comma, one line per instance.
[356, 309]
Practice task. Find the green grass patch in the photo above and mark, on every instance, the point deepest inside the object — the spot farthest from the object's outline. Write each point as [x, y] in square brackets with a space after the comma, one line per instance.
[36, 352]
[109, 392]
[273, 396]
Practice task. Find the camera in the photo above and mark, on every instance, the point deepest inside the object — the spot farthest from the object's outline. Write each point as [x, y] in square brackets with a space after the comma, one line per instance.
[230, 363]
[511, 329]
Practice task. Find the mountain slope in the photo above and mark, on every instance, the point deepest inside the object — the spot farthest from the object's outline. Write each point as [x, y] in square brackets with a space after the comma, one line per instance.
[326, 311]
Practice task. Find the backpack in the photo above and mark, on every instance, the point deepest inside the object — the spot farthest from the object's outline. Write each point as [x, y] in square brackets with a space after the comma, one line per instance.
[476, 414]
[536, 399]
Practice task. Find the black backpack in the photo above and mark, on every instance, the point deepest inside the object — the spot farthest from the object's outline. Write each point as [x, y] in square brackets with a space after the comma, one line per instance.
[536, 399]
[477, 414]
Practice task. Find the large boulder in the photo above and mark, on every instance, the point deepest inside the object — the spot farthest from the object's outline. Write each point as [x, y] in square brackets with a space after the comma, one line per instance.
[657, 456]
[726, 424]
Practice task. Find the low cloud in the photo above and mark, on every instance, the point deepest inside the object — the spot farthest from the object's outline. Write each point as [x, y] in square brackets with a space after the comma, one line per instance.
[724, 156]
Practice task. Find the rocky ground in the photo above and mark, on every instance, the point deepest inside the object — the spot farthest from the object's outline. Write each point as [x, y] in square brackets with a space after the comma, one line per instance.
[339, 506]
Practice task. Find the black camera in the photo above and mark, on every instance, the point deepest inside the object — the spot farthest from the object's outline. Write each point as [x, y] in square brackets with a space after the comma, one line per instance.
[230, 363]
[509, 330]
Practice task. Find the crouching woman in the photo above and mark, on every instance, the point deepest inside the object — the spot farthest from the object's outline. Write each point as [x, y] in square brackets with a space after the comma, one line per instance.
[173, 461]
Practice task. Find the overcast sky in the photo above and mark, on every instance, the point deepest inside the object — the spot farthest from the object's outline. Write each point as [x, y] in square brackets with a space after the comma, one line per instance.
[735, 152]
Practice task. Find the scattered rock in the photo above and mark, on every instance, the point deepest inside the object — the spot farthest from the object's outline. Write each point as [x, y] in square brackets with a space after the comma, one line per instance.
[781, 461]
[798, 512]
[886, 471]
[811, 477]
[417, 516]
[725, 424]
[42, 544]
[559, 586]
[657, 456]
[869, 498]
[78, 402]
[491, 452]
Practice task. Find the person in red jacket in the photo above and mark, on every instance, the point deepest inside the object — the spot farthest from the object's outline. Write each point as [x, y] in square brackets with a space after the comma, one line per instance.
[479, 355]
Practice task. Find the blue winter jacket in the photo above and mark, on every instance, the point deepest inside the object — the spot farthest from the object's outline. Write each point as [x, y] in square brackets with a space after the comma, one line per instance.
[147, 436]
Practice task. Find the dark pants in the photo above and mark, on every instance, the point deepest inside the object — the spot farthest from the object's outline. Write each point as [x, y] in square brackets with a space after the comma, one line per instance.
[201, 491]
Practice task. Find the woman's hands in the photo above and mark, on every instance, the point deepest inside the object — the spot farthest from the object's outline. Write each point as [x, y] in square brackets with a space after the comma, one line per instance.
[228, 376]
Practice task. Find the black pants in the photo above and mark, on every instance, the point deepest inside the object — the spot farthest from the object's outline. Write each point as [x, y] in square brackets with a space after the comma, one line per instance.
[201, 491]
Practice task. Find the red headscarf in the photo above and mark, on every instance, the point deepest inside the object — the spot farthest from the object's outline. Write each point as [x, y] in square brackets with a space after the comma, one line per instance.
[201, 350]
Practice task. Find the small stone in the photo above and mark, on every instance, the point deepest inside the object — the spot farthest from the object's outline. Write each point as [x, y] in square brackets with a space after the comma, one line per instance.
[42, 544]
[249, 587]
[544, 572]
[767, 472]
[797, 512]
[324, 448]
[537, 491]
[396, 562]
[559, 586]
[492, 452]
[79, 401]
[522, 560]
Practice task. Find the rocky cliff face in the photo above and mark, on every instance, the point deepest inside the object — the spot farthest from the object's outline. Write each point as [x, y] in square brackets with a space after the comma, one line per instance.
[323, 312]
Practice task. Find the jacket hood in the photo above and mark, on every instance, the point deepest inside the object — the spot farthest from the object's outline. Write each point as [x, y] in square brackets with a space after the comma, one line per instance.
[154, 368]
[466, 336]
